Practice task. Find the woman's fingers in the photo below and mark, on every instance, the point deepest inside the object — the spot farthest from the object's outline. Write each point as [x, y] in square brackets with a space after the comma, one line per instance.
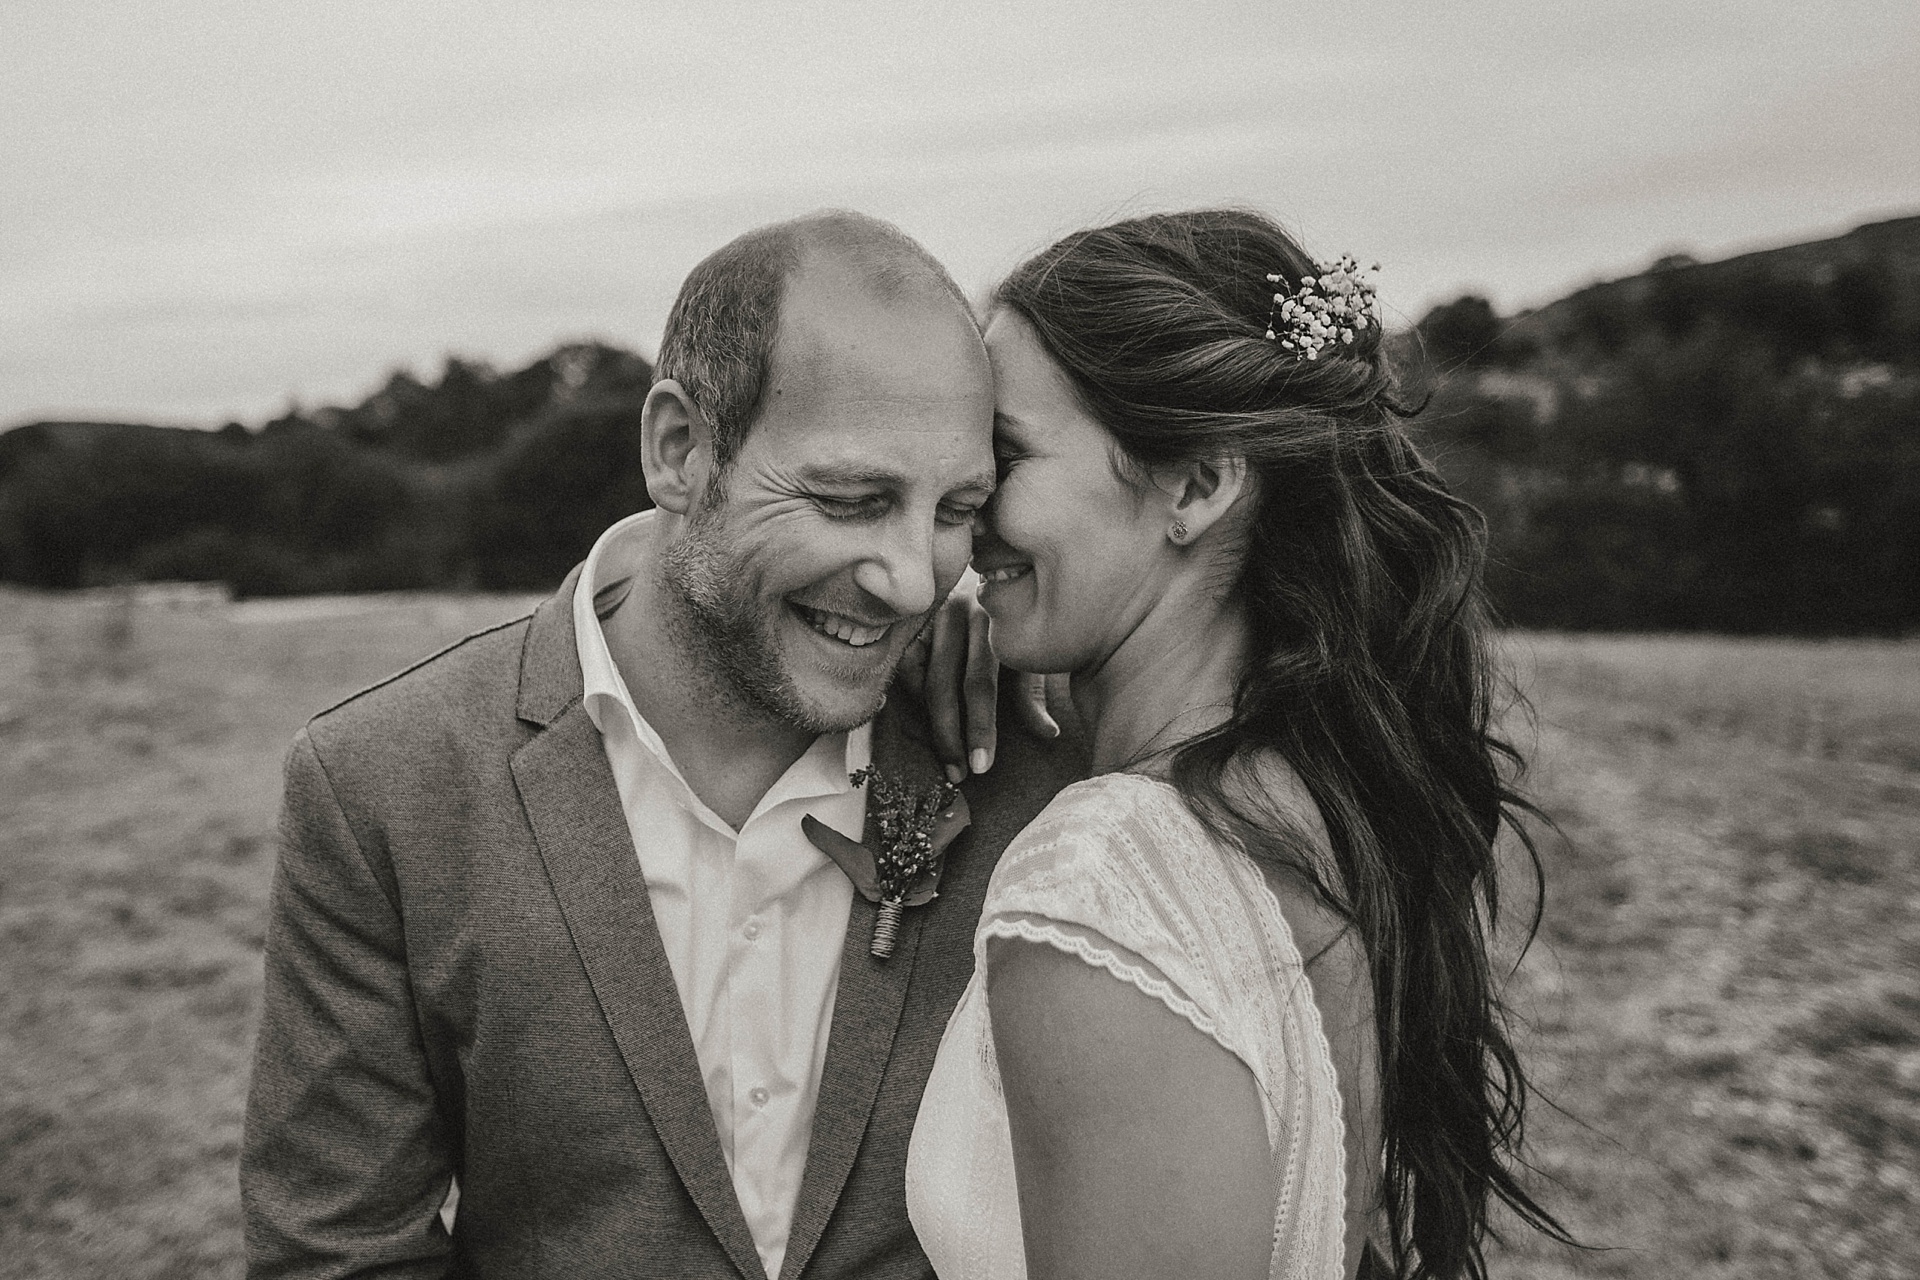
[945, 673]
[982, 687]
[956, 676]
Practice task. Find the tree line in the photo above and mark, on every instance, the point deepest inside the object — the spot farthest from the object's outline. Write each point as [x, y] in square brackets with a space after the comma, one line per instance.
[1731, 446]
[479, 480]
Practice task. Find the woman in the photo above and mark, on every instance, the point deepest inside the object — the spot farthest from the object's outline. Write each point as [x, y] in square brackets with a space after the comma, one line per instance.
[1232, 1012]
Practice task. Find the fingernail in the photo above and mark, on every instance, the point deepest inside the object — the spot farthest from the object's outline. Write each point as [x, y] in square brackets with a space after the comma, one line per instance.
[982, 760]
[1053, 730]
[955, 773]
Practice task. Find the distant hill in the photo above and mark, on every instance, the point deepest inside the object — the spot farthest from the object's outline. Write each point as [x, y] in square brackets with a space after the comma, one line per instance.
[1856, 294]
[1732, 444]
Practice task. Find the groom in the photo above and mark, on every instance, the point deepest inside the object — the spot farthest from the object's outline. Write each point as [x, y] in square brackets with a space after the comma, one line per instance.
[545, 919]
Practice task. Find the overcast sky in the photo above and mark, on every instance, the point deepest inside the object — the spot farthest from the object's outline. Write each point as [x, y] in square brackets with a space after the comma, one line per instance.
[210, 206]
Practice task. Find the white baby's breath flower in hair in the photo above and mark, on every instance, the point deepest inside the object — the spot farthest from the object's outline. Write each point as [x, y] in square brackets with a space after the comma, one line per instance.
[1332, 306]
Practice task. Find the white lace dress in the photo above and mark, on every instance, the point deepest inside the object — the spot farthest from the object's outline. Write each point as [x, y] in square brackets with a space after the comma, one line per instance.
[1118, 872]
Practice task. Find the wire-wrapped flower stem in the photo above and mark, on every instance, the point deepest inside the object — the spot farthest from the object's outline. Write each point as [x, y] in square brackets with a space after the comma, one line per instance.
[886, 928]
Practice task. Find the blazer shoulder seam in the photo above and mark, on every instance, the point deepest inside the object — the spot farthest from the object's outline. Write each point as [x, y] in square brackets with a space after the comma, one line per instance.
[408, 670]
[333, 795]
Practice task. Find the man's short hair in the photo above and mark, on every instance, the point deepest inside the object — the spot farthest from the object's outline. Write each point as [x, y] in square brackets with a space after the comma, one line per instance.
[719, 339]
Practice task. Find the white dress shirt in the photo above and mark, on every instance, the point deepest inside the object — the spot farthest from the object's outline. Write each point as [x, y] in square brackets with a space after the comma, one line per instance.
[753, 921]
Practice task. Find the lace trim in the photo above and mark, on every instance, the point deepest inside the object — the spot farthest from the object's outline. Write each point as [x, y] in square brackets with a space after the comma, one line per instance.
[1284, 931]
[1158, 988]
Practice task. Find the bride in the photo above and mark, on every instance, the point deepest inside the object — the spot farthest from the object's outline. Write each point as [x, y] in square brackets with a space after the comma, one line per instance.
[1232, 1013]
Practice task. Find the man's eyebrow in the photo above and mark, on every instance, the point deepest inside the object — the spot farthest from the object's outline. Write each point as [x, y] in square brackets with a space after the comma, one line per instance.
[984, 481]
[850, 473]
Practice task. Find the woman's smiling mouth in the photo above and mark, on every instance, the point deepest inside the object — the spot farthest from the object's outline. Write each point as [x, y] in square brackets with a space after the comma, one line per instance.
[1005, 573]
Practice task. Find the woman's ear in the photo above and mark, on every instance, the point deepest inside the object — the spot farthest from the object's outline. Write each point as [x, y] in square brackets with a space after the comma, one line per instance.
[676, 448]
[1200, 493]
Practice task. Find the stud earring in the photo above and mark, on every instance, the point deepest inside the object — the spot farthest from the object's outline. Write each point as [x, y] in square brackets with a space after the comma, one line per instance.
[1179, 531]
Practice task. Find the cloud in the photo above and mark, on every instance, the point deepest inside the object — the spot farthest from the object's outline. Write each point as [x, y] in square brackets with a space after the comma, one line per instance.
[213, 203]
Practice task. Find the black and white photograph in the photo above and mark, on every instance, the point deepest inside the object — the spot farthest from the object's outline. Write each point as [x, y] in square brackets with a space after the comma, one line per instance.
[1051, 641]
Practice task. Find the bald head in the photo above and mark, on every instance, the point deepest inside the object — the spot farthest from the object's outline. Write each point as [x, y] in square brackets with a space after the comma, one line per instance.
[721, 336]
[884, 258]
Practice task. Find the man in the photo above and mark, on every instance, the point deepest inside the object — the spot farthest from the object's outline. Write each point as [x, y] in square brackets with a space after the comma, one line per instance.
[545, 919]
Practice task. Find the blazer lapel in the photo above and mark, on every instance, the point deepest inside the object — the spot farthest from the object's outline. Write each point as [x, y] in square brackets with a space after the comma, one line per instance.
[866, 1015]
[574, 809]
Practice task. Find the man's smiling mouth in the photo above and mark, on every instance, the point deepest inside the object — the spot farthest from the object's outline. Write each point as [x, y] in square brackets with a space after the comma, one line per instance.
[854, 634]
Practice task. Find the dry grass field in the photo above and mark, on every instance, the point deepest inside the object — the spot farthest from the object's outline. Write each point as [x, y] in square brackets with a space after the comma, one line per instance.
[1725, 994]
[1722, 1001]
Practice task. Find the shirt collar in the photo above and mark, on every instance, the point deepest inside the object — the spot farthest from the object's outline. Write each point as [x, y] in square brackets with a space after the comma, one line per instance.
[823, 770]
[600, 678]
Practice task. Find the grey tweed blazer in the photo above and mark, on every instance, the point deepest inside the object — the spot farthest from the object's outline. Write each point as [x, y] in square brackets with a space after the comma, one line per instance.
[464, 978]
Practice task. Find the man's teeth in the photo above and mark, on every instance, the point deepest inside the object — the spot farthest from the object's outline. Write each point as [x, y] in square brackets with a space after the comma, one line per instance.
[1006, 574]
[844, 629]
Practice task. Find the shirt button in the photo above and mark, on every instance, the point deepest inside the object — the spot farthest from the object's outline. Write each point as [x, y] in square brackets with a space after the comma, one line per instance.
[758, 1096]
[752, 930]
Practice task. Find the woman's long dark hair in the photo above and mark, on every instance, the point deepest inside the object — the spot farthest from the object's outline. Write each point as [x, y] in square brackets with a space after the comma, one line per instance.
[1369, 669]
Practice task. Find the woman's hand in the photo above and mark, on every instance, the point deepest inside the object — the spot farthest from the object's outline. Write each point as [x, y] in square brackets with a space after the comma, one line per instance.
[952, 670]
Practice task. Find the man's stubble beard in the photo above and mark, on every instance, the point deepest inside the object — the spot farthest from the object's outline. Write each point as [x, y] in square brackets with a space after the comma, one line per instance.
[730, 639]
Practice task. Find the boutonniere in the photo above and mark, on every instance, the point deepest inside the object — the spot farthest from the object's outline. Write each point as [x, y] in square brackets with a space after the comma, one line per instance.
[916, 824]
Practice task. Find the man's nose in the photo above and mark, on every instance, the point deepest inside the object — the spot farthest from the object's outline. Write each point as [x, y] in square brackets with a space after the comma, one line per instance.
[899, 572]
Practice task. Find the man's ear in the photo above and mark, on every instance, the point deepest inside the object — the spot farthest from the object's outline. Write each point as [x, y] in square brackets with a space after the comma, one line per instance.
[676, 448]
[1200, 493]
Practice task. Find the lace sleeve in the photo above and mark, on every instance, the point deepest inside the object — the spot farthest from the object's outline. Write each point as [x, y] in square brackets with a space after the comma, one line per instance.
[1118, 872]
[1102, 875]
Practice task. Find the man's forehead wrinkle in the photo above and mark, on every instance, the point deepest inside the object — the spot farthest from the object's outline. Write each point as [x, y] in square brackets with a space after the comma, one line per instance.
[854, 399]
